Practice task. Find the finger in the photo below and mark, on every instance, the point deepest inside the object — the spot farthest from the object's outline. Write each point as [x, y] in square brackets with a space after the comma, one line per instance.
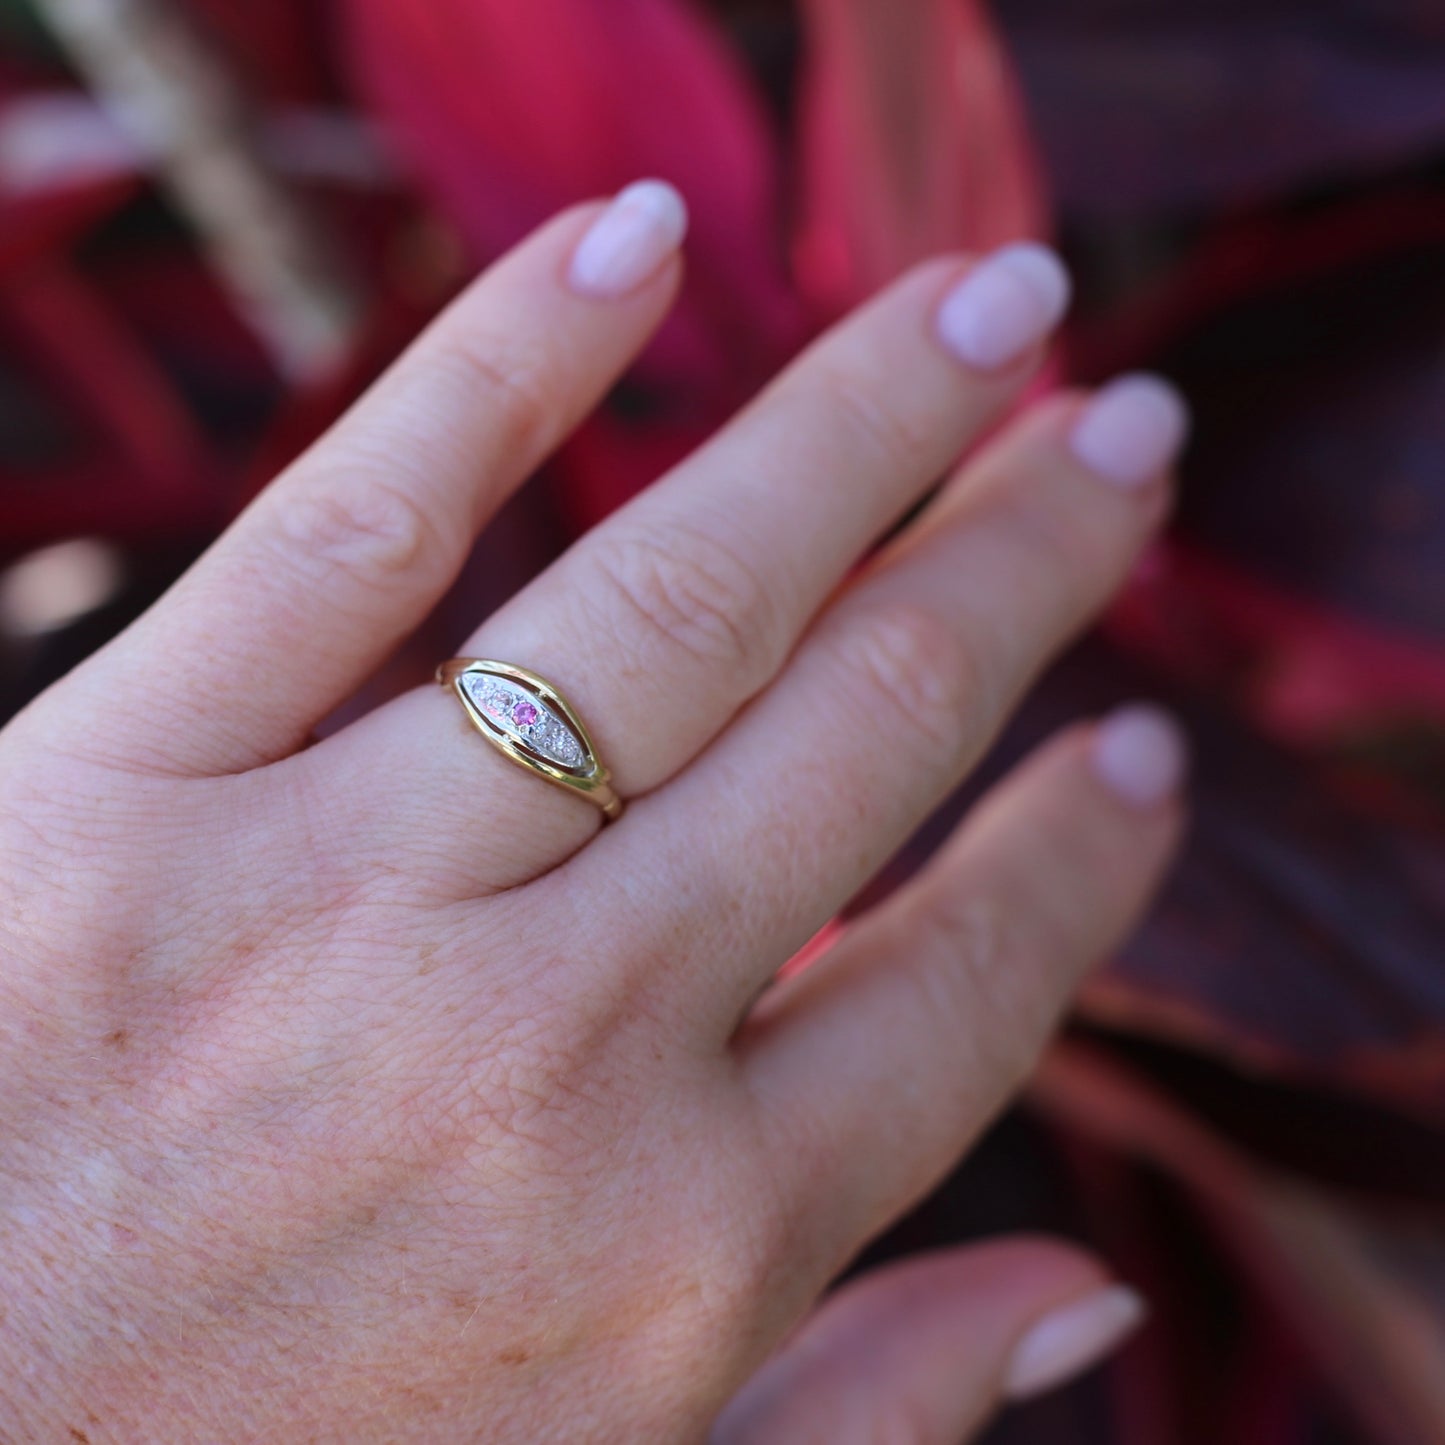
[894, 695]
[662, 622]
[927, 1350]
[349, 549]
[946, 992]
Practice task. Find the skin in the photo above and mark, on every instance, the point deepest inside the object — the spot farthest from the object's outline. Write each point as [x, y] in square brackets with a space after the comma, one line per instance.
[368, 1091]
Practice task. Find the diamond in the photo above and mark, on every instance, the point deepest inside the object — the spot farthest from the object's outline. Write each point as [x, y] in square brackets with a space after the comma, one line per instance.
[558, 742]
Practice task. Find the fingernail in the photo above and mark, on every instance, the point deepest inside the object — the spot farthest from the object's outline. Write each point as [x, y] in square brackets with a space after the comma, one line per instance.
[1140, 755]
[629, 241]
[1008, 303]
[1071, 1339]
[1131, 430]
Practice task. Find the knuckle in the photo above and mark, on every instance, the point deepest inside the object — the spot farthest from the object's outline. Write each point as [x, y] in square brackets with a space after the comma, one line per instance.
[506, 382]
[748, 1231]
[732, 1270]
[362, 527]
[887, 433]
[972, 970]
[917, 673]
[1060, 536]
[687, 593]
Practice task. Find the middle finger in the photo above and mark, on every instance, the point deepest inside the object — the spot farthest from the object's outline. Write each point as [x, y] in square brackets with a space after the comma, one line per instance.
[661, 623]
[892, 698]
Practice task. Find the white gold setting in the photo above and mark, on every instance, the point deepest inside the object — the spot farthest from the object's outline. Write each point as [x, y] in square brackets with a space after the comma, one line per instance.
[524, 716]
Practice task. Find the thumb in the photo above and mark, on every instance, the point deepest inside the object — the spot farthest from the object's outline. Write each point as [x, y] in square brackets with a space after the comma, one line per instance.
[926, 1350]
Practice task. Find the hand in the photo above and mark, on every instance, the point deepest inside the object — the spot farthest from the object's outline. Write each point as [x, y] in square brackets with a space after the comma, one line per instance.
[371, 1091]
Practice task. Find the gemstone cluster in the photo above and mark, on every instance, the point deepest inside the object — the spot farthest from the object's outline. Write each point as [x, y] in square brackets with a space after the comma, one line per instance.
[524, 716]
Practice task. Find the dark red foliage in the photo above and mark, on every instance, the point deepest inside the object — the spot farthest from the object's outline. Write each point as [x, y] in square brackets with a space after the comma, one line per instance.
[1253, 196]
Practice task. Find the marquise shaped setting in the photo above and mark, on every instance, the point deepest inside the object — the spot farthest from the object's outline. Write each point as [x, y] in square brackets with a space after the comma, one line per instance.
[519, 713]
[523, 716]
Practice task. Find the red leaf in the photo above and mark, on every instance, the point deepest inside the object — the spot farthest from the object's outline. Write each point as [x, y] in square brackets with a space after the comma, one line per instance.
[1307, 673]
[1147, 110]
[506, 112]
[914, 141]
[72, 334]
[1357, 1288]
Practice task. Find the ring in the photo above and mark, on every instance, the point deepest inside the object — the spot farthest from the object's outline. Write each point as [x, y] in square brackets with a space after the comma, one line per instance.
[527, 719]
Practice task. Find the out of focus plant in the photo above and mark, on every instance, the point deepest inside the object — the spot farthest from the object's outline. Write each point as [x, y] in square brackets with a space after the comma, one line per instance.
[1249, 1113]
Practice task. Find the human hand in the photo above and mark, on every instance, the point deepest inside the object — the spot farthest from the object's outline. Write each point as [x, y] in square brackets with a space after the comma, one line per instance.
[369, 1091]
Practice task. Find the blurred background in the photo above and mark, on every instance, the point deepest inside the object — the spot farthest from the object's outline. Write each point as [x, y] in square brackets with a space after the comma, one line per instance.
[220, 218]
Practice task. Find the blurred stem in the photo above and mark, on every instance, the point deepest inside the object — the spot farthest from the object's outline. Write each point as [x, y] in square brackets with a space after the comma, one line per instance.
[173, 95]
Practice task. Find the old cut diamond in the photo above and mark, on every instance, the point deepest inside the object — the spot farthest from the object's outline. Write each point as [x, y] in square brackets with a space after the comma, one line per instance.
[558, 743]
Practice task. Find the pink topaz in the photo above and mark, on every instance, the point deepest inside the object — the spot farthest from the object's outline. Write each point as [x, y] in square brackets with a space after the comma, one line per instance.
[524, 714]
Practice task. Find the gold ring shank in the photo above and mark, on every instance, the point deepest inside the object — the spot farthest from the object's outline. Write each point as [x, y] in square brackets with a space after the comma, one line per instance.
[533, 725]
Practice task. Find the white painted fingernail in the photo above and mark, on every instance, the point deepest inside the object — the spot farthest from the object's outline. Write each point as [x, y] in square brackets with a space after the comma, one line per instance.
[630, 240]
[1007, 304]
[1069, 1341]
[1140, 755]
[1131, 430]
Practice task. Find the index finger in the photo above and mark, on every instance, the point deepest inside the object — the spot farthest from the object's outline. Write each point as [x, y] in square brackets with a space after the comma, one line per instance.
[346, 552]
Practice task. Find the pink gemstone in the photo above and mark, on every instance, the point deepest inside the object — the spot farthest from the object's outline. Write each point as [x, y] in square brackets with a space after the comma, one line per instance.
[524, 714]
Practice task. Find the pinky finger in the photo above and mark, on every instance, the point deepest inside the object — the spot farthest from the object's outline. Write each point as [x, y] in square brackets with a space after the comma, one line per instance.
[927, 1350]
[900, 1044]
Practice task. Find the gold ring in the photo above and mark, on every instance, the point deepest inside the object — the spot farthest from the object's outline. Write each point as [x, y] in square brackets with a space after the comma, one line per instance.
[527, 719]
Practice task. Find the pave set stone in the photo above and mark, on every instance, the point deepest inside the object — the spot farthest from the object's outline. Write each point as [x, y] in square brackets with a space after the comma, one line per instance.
[524, 716]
